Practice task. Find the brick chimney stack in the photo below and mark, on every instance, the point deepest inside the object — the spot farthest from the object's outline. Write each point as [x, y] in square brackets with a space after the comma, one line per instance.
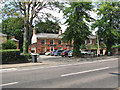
[60, 31]
[34, 31]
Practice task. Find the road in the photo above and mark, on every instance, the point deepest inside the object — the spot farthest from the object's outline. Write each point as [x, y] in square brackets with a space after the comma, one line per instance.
[95, 74]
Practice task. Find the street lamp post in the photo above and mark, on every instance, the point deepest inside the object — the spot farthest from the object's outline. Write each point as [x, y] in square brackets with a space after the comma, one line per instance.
[98, 45]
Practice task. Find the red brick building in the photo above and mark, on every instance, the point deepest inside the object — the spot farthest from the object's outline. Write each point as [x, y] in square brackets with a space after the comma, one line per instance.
[46, 42]
[92, 40]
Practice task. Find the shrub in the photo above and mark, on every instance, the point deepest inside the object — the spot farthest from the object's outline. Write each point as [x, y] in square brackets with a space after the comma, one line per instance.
[13, 56]
[9, 45]
[10, 55]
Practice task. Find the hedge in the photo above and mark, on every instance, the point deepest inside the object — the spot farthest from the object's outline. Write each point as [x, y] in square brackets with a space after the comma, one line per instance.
[13, 56]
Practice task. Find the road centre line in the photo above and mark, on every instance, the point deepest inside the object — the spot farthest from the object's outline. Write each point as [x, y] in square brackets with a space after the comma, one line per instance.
[9, 84]
[84, 72]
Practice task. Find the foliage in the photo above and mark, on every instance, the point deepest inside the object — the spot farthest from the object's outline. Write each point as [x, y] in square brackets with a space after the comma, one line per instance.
[29, 10]
[108, 23]
[47, 27]
[10, 55]
[89, 46]
[9, 45]
[118, 46]
[77, 30]
[13, 56]
[83, 46]
[13, 27]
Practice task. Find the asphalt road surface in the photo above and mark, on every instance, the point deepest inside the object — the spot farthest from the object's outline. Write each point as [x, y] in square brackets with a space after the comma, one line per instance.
[95, 74]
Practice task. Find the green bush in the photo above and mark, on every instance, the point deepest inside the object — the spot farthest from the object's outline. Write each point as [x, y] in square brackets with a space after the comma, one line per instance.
[13, 56]
[9, 45]
[118, 46]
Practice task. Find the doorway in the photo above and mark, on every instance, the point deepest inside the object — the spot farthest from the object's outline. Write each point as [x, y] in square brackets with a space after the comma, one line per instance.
[51, 48]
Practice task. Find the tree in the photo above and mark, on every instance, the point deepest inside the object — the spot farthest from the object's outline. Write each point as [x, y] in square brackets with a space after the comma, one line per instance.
[77, 30]
[9, 45]
[108, 23]
[29, 10]
[13, 27]
[47, 27]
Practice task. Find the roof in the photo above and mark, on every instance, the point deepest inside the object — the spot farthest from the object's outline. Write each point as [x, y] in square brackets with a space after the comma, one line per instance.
[48, 35]
[1, 34]
[51, 35]
[13, 39]
[92, 37]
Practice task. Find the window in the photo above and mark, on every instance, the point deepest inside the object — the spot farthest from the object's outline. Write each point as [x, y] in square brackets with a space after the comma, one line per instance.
[90, 41]
[42, 49]
[51, 41]
[85, 41]
[42, 42]
[59, 42]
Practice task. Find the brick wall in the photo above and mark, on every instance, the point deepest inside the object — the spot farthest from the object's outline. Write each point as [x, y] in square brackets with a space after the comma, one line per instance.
[47, 45]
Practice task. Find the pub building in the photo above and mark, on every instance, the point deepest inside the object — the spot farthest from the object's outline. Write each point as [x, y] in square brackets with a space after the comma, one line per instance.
[47, 42]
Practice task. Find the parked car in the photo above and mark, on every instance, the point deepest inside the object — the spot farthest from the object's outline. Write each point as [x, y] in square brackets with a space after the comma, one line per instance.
[58, 52]
[64, 53]
[70, 53]
[52, 53]
[47, 53]
[84, 52]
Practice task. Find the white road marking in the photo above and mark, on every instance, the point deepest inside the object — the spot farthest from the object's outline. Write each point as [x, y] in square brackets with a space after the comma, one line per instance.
[84, 71]
[64, 65]
[12, 69]
[9, 84]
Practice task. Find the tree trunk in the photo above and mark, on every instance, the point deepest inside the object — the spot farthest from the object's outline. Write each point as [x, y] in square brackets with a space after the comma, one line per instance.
[25, 41]
[76, 49]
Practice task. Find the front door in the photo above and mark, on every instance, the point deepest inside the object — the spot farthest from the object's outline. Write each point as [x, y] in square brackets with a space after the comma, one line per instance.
[51, 48]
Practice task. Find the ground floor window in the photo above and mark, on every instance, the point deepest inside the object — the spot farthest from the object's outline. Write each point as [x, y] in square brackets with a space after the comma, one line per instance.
[42, 49]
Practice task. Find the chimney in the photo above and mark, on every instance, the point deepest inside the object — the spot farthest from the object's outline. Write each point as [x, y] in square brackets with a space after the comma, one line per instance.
[34, 31]
[60, 31]
[13, 36]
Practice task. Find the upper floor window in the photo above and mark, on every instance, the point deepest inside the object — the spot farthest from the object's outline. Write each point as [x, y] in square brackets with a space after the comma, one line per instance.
[90, 41]
[59, 42]
[85, 41]
[42, 42]
[51, 42]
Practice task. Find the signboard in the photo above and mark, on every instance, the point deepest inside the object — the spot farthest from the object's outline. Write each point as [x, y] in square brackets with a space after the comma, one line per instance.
[34, 39]
[52, 45]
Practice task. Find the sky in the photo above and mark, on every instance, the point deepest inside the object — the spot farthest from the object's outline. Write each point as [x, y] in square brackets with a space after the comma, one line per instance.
[62, 20]
[60, 17]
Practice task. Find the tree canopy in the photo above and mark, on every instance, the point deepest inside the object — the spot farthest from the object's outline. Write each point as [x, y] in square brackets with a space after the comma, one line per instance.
[77, 17]
[29, 10]
[108, 22]
[13, 27]
[47, 27]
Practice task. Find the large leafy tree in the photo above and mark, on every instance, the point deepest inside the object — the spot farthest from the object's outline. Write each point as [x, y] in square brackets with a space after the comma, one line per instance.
[29, 10]
[108, 23]
[77, 15]
[13, 27]
[52, 27]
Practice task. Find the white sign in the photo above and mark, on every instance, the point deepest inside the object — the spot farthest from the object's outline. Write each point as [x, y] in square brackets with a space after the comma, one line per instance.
[34, 39]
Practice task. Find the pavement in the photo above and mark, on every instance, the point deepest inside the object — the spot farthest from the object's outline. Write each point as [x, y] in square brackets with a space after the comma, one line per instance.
[87, 74]
[54, 60]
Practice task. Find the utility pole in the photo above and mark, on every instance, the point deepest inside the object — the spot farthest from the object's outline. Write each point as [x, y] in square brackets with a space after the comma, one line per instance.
[98, 44]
